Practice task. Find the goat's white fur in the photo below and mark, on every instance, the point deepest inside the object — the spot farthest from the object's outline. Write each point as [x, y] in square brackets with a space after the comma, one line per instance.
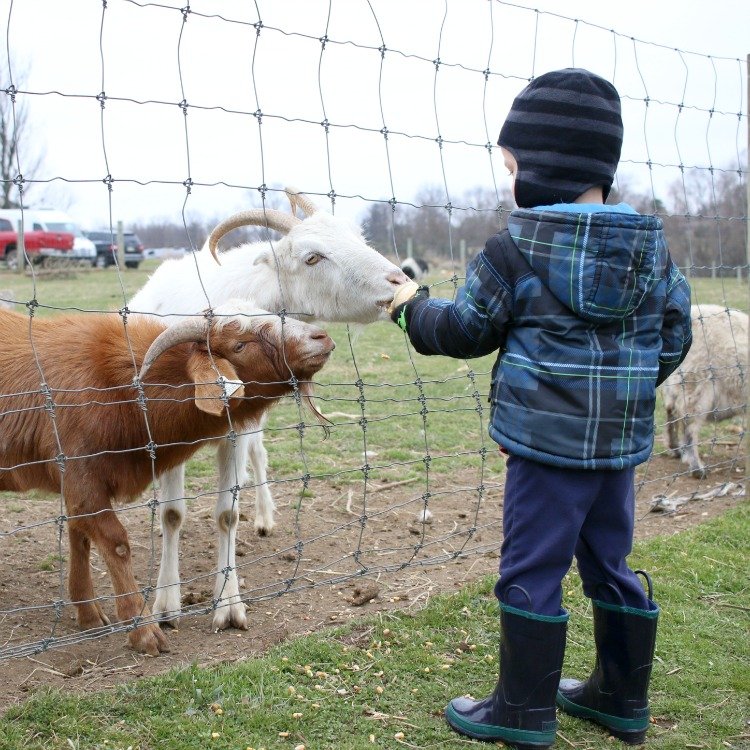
[709, 384]
[347, 281]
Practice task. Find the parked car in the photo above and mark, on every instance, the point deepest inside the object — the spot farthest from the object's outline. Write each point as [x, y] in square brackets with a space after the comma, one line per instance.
[106, 248]
[38, 244]
[57, 222]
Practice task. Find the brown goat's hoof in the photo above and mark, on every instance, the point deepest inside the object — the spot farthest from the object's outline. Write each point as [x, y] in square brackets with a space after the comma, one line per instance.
[91, 615]
[148, 639]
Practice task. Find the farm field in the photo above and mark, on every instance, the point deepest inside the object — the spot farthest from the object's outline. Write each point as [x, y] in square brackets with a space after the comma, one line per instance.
[347, 529]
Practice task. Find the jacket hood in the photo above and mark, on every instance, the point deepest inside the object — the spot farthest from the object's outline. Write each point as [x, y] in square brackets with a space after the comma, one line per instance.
[599, 265]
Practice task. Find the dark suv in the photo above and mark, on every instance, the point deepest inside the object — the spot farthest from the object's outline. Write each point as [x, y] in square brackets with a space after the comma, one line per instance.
[106, 248]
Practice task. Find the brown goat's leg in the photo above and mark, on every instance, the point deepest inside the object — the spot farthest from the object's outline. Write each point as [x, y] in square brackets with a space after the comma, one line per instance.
[80, 586]
[110, 537]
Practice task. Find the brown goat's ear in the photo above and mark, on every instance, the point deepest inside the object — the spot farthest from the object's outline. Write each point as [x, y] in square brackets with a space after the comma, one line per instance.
[208, 392]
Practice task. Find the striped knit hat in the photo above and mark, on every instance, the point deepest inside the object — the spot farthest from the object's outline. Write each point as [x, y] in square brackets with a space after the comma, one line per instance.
[565, 132]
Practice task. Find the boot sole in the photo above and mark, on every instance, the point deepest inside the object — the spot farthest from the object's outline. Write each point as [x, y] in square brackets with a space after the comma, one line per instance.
[521, 739]
[630, 731]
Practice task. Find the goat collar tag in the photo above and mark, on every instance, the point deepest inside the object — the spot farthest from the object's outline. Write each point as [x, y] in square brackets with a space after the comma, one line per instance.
[231, 386]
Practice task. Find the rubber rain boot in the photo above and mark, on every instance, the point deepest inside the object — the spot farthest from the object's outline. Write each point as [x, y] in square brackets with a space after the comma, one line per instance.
[521, 710]
[616, 694]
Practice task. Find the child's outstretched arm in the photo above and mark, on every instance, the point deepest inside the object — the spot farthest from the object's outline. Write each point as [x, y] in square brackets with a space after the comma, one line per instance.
[471, 326]
[676, 332]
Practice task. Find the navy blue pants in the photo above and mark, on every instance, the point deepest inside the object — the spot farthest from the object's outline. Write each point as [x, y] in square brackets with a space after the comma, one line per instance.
[551, 515]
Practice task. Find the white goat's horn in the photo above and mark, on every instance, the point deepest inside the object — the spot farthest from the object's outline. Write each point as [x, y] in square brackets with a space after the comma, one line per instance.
[258, 217]
[300, 199]
[188, 329]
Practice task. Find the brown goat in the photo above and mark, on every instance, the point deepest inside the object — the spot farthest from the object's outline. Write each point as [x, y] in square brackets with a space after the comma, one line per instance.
[106, 439]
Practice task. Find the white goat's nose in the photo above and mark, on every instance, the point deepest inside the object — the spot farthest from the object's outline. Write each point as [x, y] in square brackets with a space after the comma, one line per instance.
[397, 277]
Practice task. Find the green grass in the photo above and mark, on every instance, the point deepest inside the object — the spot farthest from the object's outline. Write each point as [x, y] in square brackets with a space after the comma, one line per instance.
[395, 673]
[729, 292]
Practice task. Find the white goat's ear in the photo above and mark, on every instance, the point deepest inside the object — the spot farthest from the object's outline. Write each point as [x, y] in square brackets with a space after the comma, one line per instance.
[208, 391]
[263, 257]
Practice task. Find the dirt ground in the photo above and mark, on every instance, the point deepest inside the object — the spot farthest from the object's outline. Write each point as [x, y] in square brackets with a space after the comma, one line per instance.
[290, 588]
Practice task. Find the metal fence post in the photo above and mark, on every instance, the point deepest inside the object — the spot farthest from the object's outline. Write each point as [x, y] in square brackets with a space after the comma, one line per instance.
[20, 248]
[120, 246]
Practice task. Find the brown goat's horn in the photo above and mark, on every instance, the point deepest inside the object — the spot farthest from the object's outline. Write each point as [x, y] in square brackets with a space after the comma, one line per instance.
[258, 217]
[188, 329]
[300, 199]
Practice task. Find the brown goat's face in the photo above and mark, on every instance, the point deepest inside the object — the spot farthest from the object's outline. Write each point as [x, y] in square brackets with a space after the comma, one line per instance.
[271, 351]
[257, 357]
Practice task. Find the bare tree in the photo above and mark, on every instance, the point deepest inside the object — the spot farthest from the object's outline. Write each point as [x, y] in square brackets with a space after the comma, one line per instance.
[16, 135]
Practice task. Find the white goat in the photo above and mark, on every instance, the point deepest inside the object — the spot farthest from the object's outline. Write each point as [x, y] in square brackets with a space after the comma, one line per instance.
[709, 384]
[321, 270]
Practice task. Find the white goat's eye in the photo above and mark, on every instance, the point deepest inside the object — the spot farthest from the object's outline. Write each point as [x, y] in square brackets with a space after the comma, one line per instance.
[238, 347]
[313, 258]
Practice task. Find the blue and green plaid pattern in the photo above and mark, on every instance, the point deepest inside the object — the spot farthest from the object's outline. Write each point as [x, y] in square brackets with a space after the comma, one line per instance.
[589, 314]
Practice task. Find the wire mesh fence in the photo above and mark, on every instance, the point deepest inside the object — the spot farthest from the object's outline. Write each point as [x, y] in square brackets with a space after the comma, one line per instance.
[372, 124]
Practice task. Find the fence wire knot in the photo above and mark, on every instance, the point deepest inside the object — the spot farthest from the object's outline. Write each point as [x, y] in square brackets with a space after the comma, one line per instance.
[101, 97]
[151, 447]
[46, 391]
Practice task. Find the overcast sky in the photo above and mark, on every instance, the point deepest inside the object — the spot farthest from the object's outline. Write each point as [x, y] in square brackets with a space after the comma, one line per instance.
[147, 60]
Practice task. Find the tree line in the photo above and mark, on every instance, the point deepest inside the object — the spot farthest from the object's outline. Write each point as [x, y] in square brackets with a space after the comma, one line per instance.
[704, 215]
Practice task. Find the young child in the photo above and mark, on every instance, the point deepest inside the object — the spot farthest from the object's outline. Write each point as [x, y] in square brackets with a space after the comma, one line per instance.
[589, 315]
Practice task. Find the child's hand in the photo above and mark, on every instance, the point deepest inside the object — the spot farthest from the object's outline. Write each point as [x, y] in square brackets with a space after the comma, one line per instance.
[403, 294]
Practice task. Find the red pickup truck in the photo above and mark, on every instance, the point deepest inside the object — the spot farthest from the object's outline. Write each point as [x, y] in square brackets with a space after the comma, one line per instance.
[39, 244]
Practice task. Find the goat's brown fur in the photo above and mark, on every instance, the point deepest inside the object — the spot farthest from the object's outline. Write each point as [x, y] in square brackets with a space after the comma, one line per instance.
[89, 363]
